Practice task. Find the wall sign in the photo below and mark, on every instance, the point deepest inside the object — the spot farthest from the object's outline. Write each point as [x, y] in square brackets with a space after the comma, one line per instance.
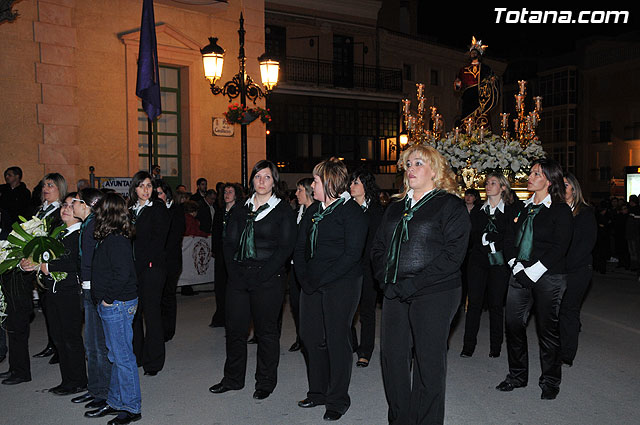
[222, 128]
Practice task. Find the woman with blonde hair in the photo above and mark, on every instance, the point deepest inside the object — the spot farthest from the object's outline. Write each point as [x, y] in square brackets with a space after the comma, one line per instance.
[487, 272]
[328, 264]
[417, 254]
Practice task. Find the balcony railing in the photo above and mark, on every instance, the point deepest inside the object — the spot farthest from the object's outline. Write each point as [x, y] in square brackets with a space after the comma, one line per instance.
[331, 74]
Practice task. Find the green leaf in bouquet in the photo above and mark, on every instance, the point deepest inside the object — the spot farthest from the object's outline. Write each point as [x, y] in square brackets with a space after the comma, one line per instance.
[57, 231]
[21, 232]
[9, 264]
[16, 241]
[40, 245]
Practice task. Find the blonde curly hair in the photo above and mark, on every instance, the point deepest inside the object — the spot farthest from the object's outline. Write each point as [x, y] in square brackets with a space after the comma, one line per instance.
[444, 176]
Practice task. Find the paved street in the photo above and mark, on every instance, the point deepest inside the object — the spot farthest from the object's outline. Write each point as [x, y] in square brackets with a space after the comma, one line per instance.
[601, 388]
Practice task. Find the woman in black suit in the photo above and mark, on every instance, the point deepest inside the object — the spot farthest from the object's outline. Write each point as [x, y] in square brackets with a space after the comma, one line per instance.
[231, 197]
[174, 257]
[579, 269]
[151, 220]
[536, 247]
[258, 243]
[416, 255]
[328, 264]
[63, 306]
[365, 192]
[487, 271]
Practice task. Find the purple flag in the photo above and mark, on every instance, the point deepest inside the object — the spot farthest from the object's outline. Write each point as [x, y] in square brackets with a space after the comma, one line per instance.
[148, 84]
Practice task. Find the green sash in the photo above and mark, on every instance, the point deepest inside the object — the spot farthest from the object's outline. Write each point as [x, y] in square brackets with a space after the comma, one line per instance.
[312, 237]
[247, 245]
[524, 237]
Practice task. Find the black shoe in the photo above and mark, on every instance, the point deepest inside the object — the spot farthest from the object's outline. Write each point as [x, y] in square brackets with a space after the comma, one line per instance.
[54, 359]
[220, 388]
[567, 362]
[294, 347]
[48, 351]
[252, 340]
[13, 380]
[82, 398]
[125, 417]
[306, 403]
[4, 356]
[261, 394]
[103, 411]
[508, 386]
[466, 352]
[549, 393]
[494, 354]
[331, 415]
[96, 404]
[187, 290]
[362, 362]
[6, 374]
[151, 373]
[67, 391]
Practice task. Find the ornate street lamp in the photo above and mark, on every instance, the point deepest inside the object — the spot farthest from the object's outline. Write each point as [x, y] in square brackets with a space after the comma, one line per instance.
[241, 85]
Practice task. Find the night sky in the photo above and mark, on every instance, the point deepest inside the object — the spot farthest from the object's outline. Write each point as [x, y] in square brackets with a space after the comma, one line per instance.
[453, 24]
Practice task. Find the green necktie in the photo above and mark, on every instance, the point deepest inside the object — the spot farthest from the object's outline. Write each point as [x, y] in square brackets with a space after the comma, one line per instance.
[247, 246]
[495, 258]
[401, 235]
[42, 213]
[312, 238]
[524, 237]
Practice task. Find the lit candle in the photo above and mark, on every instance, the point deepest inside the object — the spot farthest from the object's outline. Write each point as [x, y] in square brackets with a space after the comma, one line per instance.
[523, 86]
[456, 133]
[505, 119]
[538, 100]
[420, 88]
[406, 105]
[519, 100]
[481, 133]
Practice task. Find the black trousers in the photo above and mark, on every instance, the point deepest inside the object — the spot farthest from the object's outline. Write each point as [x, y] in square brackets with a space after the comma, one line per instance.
[263, 304]
[569, 318]
[148, 332]
[493, 281]
[169, 303]
[544, 299]
[367, 313]
[294, 300]
[220, 289]
[18, 293]
[417, 329]
[65, 326]
[325, 329]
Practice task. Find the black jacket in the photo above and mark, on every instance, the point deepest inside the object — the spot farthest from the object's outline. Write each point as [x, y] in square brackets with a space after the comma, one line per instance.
[152, 228]
[174, 236]
[88, 246]
[374, 215]
[67, 262]
[341, 240]
[552, 233]
[113, 274]
[478, 253]
[15, 201]
[274, 237]
[585, 231]
[430, 260]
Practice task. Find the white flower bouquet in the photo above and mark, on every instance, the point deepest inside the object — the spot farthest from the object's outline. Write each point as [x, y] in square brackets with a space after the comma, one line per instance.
[34, 240]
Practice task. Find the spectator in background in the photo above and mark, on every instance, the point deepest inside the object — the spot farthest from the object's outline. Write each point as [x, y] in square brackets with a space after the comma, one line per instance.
[207, 210]
[181, 188]
[15, 198]
[201, 190]
[83, 184]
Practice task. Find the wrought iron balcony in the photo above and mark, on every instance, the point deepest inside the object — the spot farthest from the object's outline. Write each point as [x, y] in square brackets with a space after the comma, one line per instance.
[333, 74]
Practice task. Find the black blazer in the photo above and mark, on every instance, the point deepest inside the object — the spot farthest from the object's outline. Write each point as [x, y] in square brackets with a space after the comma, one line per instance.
[585, 232]
[438, 237]
[174, 236]
[113, 273]
[275, 236]
[478, 253]
[552, 233]
[341, 240]
[67, 262]
[149, 242]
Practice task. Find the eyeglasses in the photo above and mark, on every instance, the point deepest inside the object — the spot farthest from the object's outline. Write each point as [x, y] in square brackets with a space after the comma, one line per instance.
[78, 200]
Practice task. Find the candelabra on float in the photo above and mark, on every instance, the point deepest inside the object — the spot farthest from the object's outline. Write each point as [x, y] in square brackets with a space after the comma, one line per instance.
[525, 124]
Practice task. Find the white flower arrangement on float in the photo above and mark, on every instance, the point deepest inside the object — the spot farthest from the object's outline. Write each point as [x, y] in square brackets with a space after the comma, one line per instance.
[488, 153]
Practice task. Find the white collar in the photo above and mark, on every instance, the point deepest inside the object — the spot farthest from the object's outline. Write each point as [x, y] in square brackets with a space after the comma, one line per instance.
[344, 195]
[170, 203]
[45, 205]
[73, 228]
[413, 201]
[492, 210]
[273, 201]
[137, 207]
[546, 201]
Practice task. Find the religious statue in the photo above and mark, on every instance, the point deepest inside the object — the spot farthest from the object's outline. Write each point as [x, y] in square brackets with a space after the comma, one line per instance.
[479, 87]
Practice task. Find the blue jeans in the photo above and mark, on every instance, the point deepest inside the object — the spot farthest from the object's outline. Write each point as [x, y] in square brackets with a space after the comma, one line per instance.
[124, 389]
[98, 366]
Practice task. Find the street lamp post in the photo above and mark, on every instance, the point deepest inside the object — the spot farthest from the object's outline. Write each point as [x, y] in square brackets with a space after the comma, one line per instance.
[241, 84]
